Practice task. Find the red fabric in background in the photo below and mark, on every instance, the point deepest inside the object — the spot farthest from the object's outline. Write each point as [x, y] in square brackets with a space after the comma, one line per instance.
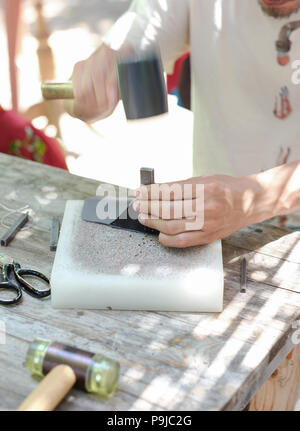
[173, 79]
[19, 137]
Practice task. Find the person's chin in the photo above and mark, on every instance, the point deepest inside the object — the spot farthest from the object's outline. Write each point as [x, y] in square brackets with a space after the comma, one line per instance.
[280, 9]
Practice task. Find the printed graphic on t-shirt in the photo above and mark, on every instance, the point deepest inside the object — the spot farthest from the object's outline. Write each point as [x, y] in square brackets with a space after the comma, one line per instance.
[282, 108]
[284, 43]
[283, 156]
[283, 9]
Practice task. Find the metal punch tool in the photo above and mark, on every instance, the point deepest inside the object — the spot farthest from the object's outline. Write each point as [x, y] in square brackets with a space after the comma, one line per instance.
[14, 279]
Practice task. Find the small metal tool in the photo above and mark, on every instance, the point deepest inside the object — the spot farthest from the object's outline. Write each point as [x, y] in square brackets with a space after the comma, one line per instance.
[14, 229]
[243, 275]
[125, 218]
[147, 99]
[147, 176]
[54, 233]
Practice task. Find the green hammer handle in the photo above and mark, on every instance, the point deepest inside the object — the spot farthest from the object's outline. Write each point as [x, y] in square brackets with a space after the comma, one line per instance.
[52, 90]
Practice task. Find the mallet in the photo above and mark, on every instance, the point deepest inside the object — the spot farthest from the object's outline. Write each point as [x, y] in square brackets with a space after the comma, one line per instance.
[65, 366]
[141, 84]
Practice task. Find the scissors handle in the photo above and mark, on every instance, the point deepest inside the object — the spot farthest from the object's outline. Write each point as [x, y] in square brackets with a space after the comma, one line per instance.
[31, 290]
[8, 285]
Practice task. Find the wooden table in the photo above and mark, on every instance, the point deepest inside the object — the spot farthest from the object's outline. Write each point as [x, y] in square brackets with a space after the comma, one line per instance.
[168, 360]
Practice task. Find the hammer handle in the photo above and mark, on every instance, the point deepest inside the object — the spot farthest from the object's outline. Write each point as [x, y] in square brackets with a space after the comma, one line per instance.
[52, 90]
[50, 392]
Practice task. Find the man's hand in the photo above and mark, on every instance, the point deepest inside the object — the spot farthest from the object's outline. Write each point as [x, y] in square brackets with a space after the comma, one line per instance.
[203, 209]
[95, 86]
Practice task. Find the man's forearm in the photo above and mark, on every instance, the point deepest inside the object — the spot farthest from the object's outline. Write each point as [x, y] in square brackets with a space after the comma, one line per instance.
[279, 190]
[227, 204]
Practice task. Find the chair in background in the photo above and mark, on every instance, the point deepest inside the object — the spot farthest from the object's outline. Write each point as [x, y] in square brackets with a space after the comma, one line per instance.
[17, 126]
[52, 110]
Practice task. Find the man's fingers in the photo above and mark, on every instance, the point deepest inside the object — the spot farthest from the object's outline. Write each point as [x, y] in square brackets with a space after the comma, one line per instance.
[85, 102]
[171, 227]
[95, 86]
[186, 239]
[181, 190]
[167, 191]
[176, 210]
[170, 209]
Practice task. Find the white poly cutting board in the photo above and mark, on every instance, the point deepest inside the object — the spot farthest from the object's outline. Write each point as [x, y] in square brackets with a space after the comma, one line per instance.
[99, 267]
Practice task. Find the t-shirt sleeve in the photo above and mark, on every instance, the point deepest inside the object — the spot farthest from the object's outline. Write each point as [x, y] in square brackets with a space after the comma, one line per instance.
[163, 21]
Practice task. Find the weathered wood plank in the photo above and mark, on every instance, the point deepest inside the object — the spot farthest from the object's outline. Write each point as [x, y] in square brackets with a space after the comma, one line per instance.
[268, 240]
[263, 268]
[168, 350]
[168, 360]
[279, 392]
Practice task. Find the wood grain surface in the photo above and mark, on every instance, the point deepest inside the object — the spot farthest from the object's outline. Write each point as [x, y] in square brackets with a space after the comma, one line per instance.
[279, 392]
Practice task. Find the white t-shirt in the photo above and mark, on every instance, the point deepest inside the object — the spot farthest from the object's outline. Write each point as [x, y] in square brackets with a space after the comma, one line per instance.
[246, 107]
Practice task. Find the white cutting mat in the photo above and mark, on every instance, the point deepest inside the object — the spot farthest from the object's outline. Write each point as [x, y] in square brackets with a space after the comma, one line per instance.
[99, 267]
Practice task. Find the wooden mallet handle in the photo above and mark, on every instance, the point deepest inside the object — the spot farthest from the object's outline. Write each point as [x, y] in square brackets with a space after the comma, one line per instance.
[50, 392]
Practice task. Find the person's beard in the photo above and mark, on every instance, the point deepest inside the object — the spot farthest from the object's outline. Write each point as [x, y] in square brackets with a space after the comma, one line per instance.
[277, 12]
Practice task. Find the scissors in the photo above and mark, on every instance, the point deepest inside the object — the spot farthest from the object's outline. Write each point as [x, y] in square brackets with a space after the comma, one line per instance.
[13, 279]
